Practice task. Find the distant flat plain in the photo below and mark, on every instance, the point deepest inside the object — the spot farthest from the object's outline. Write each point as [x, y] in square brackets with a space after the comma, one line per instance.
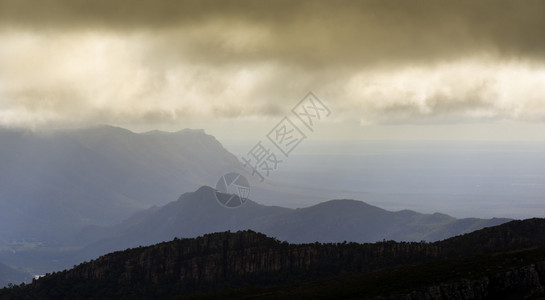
[464, 179]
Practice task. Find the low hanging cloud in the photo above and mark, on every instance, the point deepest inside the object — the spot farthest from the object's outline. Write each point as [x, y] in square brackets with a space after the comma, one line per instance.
[85, 62]
[468, 90]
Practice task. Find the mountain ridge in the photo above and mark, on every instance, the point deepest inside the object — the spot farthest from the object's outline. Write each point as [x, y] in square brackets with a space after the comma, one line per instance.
[100, 175]
[219, 261]
[197, 213]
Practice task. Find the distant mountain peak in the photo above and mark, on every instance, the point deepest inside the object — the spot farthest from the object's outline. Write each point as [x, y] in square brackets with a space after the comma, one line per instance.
[117, 129]
[100, 130]
[346, 204]
[156, 132]
[183, 131]
[205, 189]
[205, 195]
[109, 127]
[99, 175]
[191, 131]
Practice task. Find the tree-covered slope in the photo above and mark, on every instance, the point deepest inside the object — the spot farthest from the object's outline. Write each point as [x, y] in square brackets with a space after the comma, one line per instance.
[219, 261]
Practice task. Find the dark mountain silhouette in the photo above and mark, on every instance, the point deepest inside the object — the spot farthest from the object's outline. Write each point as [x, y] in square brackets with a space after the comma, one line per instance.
[251, 264]
[198, 213]
[351, 220]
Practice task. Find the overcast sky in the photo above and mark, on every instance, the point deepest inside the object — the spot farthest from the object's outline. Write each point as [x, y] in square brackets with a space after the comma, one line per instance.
[386, 69]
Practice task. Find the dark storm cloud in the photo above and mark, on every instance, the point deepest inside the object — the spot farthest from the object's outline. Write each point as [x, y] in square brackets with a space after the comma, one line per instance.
[306, 33]
[386, 61]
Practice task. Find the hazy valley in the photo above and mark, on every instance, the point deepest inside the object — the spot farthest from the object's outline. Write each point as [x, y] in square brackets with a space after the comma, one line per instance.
[115, 195]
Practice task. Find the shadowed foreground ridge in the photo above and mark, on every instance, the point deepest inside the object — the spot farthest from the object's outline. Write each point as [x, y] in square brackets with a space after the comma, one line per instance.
[247, 262]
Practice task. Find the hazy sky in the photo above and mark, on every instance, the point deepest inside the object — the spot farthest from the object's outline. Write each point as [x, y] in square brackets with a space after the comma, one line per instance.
[386, 69]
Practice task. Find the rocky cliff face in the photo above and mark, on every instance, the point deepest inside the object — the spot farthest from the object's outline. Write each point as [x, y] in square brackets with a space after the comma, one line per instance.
[218, 257]
[458, 268]
[208, 258]
[218, 261]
